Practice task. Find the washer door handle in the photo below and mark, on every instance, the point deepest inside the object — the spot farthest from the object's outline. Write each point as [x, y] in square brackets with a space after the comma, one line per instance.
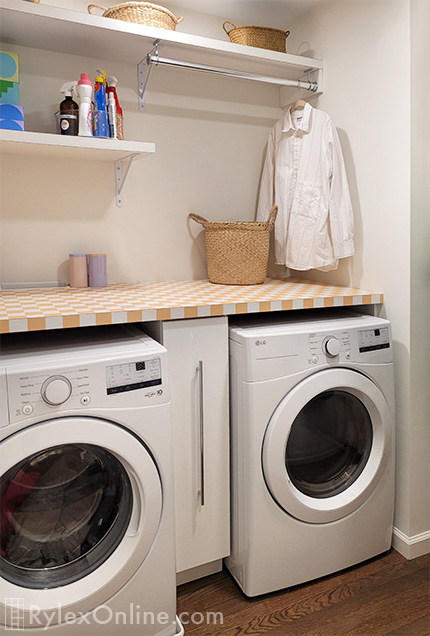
[136, 515]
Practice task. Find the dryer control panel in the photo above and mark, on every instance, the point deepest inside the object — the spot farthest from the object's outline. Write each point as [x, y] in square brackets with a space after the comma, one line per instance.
[331, 345]
[373, 339]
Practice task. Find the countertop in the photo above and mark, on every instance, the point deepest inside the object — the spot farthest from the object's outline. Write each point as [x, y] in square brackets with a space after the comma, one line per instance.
[65, 307]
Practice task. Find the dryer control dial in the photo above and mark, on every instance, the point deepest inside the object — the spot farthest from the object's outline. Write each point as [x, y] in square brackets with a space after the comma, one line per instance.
[56, 390]
[331, 346]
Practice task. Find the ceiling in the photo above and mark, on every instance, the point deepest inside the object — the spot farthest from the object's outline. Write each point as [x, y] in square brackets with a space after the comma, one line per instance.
[274, 13]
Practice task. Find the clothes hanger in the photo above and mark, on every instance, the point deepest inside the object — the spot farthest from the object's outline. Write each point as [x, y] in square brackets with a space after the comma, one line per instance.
[300, 103]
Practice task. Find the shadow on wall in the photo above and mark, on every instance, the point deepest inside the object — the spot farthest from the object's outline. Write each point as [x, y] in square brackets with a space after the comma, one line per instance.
[198, 250]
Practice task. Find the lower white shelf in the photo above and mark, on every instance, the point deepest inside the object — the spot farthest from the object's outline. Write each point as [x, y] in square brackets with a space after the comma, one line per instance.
[63, 146]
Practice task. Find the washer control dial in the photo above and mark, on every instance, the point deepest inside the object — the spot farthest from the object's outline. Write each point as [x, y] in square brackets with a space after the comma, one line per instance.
[56, 390]
[331, 346]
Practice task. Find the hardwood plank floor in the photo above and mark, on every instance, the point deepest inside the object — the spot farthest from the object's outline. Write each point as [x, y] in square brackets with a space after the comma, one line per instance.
[385, 596]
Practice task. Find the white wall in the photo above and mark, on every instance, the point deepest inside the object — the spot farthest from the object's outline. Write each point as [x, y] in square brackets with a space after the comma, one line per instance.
[420, 269]
[209, 134]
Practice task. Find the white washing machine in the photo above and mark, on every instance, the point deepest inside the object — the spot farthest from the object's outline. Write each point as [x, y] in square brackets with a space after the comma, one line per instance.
[312, 428]
[87, 541]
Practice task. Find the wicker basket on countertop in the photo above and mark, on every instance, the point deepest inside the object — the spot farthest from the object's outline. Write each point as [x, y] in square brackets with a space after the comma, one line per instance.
[151, 15]
[261, 37]
[237, 252]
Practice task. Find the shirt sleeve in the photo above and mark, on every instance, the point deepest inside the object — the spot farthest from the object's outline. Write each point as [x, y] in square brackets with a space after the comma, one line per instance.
[267, 185]
[340, 210]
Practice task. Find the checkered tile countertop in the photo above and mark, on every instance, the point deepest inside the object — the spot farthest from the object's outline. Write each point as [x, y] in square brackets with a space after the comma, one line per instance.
[63, 307]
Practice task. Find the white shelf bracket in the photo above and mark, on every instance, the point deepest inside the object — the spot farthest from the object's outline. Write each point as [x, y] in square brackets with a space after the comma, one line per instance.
[120, 177]
[144, 69]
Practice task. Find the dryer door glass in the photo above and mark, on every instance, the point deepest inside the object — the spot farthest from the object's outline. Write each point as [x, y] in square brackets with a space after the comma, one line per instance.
[64, 511]
[329, 444]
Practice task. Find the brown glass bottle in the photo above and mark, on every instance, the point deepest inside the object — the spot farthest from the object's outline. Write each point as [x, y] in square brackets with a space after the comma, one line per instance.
[69, 117]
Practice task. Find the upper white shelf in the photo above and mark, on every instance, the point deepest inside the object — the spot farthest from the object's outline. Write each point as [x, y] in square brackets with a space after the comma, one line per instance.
[44, 27]
[63, 146]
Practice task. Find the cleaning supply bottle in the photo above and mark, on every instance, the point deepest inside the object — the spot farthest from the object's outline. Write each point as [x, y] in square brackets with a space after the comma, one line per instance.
[112, 83]
[68, 111]
[84, 90]
[112, 116]
[101, 122]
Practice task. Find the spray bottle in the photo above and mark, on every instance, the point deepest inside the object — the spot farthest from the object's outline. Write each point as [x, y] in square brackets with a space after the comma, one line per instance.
[112, 116]
[68, 110]
[112, 83]
[101, 122]
[85, 90]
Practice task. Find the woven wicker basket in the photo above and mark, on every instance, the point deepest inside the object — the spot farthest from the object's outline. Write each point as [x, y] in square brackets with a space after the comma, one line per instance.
[237, 252]
[261, 37]
[141, 13]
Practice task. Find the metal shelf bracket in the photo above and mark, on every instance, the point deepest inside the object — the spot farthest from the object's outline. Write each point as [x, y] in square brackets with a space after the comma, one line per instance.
[120, 177]
[144, 69]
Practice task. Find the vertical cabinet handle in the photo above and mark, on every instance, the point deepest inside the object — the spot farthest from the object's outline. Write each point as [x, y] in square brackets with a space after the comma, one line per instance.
[201, 491]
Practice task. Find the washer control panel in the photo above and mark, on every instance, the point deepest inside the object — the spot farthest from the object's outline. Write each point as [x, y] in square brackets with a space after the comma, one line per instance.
[133, 375]
[99, 385]
[41, 393]
[56, 390]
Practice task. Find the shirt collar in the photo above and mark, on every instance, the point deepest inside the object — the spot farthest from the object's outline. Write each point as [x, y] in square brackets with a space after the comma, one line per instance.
[304, 124]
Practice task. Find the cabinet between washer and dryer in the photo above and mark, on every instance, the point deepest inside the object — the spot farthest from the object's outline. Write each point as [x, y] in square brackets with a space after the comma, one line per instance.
[198, 371]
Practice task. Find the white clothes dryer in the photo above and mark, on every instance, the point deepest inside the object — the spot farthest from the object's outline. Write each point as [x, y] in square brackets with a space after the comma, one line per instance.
[87, 535]
[312, 439]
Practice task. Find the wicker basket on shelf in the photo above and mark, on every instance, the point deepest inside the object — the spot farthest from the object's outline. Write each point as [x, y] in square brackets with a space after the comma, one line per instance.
[141, 13]
[237, 252]
[261, 37]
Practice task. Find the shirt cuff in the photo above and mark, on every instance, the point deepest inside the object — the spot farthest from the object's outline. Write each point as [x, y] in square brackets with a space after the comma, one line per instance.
[344, 249]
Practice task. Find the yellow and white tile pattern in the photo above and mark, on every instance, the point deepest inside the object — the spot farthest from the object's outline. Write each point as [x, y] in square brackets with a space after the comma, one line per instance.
[60, 308]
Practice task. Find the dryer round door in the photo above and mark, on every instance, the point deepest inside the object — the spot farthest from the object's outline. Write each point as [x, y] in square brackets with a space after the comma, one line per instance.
[81, 506]
[326, 445]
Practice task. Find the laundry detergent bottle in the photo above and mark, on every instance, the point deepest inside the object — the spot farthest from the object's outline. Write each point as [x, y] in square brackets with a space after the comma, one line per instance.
[101, 128]
[85, 91]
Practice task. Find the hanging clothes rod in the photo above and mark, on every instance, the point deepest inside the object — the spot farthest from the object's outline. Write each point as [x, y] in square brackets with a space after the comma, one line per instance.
[153, 58]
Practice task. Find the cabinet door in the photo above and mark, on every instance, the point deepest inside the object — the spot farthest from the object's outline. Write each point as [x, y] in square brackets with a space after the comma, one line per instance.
[198, 370]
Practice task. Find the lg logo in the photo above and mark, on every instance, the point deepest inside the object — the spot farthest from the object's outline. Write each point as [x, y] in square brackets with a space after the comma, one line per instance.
[259, 343]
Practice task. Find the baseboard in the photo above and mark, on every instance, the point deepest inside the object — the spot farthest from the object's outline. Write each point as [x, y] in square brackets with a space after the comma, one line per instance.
[411, 547]
[198, 572]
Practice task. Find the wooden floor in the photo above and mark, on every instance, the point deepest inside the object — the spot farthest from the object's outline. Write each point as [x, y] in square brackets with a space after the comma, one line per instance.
[386, 596]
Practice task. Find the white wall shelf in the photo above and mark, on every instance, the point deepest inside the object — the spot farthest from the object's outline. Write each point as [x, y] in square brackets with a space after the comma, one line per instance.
[52, 28]
[116, 151]
[64, 146]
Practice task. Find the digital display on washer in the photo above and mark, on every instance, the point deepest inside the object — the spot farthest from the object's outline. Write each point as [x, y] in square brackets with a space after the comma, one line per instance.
[372, 339]
[131, 376]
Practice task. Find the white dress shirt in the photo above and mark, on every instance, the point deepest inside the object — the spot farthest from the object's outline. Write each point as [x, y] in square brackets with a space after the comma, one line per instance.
[304, 174]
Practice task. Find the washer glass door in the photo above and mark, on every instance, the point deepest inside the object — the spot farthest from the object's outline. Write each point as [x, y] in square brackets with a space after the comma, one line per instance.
[64, 511]
[82, 501]
[327, 445]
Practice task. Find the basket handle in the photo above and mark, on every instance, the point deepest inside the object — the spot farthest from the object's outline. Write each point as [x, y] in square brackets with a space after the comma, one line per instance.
[198, 218]
[287, 33]
[178, 20]
[227, 22]
[272, 217]
[97, 6]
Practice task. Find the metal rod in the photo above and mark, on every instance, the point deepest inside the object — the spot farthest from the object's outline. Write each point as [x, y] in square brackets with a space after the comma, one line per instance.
[165, 61]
